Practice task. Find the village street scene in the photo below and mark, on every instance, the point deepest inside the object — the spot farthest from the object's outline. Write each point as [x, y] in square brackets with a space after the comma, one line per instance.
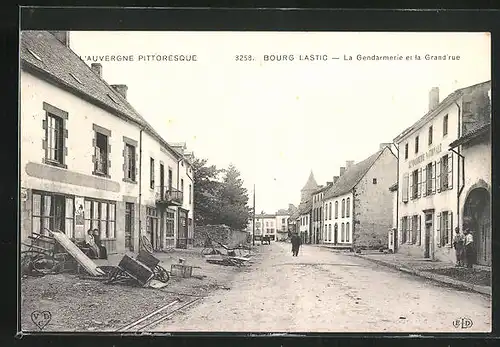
[173, 202]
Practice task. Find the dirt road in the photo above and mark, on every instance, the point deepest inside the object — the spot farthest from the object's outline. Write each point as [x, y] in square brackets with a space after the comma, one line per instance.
[324, 291]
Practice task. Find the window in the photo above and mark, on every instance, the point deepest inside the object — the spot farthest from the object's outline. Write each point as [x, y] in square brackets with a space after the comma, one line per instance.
[444, 172]
[374, 181]
[329, 232]
[406, 151]
[343, 208]
[466, 106]
[190, 194]
[416, 144]
[348, 207]
[101, 150]
[151, 173]
[335, 234]
[445, 226]
[283, 220]
[267, 224]
[415, 232]
[326, 211]
[342, 232]
[130, 162]
[182, 185]
[152, 225]
[330, 211]
[404, 188]
[336, 209]
[445, 125]
[54, 139]
[54, 212]
[347, 233]
[414, 184]
[100, 215]
[429, 141]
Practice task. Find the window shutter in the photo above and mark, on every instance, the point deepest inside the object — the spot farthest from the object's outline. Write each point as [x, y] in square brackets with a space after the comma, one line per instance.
[410, 177]
[419, 226]
[438, 227]
[450, 171]
[450, 225]
[419, 191]
[44, 124]
[400, 231]
[438, 175]
[65, 132]
[424, 182]
[125, 161]
[433, 178]
[136, 171]
[410, 230]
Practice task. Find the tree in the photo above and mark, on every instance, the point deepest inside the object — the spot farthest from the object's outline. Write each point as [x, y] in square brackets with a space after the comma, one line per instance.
[206, 192]
[234, 211]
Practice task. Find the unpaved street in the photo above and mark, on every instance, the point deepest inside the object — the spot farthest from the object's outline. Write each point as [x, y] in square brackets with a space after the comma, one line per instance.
[324, 291]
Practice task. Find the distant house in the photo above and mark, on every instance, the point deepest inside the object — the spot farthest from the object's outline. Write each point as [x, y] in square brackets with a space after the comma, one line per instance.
[282, 216]
[265, 225]
[358, 208]
[305, 221]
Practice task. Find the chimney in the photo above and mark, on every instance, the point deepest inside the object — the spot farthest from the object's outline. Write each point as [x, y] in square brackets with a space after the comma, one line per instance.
[97, 68]
[121, 89]
[62, 36]
[335, 179]
[433, 98]
[348, 164]
[342, 170]
[383, 145]
[329, 183]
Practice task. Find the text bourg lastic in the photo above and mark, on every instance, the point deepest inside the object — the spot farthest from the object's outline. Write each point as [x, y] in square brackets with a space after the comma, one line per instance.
[347, 57]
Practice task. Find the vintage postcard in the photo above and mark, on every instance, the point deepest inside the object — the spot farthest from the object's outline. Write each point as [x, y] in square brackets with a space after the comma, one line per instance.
[225, 181]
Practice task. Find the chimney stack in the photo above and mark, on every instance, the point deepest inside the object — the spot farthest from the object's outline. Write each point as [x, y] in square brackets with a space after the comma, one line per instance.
[335, 179]
[433, 98]
[121, 89]
[342, 170]
[348, 164]
[383, 145]
[62, 36]
[97, 68]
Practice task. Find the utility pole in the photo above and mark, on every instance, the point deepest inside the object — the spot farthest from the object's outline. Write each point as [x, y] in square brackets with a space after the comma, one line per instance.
[253, 224]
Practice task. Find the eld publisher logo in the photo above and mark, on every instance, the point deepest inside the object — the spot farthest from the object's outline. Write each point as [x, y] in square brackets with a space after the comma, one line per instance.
[462, 323]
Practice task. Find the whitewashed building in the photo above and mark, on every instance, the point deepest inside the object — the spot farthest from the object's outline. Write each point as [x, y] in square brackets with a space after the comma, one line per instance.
[429, 175]
[88, 158]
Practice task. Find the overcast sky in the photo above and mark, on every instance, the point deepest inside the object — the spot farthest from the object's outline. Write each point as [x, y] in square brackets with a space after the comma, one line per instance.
[277, 121]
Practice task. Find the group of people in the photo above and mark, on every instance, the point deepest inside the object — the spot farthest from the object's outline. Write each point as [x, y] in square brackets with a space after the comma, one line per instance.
[464, 247]
[93, 242]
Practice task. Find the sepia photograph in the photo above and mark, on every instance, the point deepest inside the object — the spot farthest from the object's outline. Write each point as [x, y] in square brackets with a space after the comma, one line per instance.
[255, 181]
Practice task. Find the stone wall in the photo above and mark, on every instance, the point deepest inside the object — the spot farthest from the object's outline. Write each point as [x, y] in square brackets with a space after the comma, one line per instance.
[220, 233]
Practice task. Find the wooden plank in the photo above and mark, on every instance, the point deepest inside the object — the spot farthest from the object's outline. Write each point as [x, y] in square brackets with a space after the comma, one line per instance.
[77, 253]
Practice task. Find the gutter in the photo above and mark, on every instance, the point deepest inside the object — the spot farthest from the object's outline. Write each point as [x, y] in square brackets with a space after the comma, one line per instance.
[140, 185]
[457, 151]
[397, 197]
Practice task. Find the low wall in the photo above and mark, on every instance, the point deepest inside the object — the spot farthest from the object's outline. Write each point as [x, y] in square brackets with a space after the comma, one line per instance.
[219, 233]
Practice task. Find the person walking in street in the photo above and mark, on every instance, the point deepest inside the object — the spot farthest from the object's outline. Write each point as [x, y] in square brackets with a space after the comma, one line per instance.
[296, 242]
[459, 244]
[469, 248]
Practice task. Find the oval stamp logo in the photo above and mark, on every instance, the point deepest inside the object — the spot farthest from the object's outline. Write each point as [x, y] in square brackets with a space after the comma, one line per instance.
[463, 323]
[41, 318]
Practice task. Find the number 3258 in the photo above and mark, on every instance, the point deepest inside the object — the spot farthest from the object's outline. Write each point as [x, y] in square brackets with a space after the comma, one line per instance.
[243, 58]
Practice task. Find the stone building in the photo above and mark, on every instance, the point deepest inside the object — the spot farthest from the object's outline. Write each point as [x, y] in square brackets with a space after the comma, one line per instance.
[430, 175]
[88, 158]
[358, 208]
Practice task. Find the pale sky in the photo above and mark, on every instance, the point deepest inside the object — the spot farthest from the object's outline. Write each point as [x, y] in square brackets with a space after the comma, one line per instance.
[277, 121]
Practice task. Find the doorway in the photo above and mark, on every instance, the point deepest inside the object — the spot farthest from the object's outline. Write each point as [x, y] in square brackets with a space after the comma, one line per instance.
[428, 235]
[478, 217]
[182, 229]
[335, 232]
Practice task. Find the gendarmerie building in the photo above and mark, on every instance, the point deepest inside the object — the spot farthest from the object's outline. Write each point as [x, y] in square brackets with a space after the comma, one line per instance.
[430, 175]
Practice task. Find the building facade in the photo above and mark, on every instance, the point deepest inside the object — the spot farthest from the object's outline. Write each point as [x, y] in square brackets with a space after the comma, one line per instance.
[358, 208]
[475, 182]
[265, 225]
[88, 159]
[428, 194]
[305, 221]
[281, 223]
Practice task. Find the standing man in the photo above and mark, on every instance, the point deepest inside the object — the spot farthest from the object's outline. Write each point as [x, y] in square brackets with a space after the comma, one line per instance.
[459, 244]
[469, 247]
[296, 242]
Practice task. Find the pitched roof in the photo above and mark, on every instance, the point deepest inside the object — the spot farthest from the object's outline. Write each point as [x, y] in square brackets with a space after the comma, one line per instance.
[478, 130]
[352, 176]
[40, 52]
[282, 212]
[432, 113]
[311, 183]
[305, 207]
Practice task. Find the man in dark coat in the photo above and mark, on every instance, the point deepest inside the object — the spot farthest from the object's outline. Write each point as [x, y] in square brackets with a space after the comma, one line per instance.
[296, 242]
